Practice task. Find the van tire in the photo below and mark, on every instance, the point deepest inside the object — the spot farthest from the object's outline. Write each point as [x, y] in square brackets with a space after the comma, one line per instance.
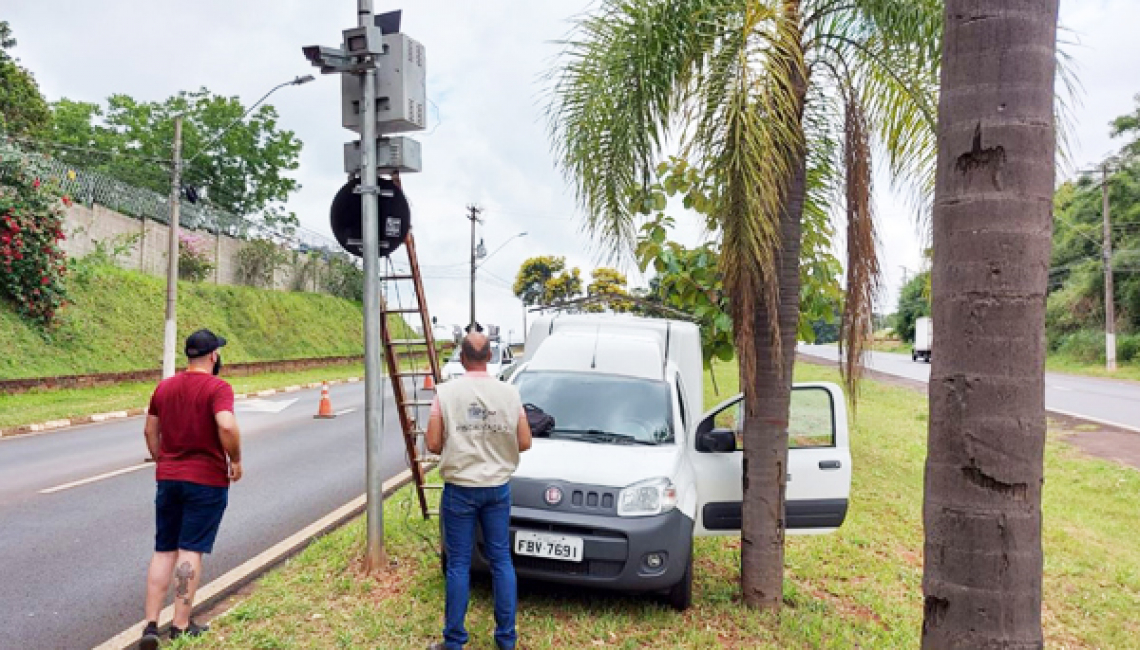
[681, 594]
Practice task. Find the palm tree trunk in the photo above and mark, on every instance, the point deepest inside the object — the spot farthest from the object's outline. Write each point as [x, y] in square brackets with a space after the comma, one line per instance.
[768, 404]
[766, 420]
[992, 240]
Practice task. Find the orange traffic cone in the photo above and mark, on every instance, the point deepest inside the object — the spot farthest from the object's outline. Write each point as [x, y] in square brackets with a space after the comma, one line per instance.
[429, 381]
[324, 411]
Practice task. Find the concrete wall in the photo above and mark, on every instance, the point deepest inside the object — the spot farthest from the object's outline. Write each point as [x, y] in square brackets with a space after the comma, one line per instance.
[146, 244]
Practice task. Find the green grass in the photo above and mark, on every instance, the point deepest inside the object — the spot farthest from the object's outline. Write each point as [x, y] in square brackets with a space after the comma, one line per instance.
[40, 406]
[1124, 370]
[860, 587]
[116, 324]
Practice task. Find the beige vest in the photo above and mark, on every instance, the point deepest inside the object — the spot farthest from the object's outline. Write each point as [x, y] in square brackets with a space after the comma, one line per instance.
[480, 443]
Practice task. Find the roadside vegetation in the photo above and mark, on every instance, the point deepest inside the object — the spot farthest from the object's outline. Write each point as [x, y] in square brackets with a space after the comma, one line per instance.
[860, 587]
[115, 323]
[41, 406]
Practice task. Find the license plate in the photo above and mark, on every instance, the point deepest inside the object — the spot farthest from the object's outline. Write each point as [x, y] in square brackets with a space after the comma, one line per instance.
[553, 547]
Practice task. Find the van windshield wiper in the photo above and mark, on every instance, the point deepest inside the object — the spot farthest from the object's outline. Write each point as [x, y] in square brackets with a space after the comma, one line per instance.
[598, 435]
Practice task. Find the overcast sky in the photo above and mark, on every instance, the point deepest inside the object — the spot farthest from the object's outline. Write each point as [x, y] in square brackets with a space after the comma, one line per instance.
[487, 141]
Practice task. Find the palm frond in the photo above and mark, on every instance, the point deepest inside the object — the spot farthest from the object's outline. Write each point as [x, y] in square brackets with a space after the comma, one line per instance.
[856, 327]
[618, 89]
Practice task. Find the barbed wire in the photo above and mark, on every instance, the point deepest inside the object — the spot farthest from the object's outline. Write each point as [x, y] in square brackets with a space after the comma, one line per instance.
[94, 188]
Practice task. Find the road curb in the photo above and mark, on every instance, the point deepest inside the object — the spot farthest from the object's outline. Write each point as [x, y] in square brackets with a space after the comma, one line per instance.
[53, 425]
[213, 593]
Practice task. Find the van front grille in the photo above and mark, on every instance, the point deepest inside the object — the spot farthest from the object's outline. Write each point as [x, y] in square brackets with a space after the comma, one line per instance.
[592, 568]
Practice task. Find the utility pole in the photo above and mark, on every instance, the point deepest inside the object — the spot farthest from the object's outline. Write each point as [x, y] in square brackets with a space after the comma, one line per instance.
[375, 558]
[1109, 294]
[473, 214]
[170, 332]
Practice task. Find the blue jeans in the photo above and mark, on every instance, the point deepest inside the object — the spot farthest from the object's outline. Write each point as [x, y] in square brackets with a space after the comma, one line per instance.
[462, 507]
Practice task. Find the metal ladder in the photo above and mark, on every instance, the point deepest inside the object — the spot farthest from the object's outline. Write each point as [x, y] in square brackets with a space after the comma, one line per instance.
[405, 366]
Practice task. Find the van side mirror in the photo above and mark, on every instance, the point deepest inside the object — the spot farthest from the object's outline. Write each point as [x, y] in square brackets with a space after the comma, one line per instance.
[717, 441]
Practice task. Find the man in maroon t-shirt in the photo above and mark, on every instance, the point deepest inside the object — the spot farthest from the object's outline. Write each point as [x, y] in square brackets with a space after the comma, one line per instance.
[193, 436]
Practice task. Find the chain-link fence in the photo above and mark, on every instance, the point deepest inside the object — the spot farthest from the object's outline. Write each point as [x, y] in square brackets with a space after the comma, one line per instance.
[90, 188]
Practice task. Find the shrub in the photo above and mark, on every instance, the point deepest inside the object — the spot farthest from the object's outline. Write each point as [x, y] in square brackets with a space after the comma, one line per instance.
[194, 262]
[1127, 347]
[306, 271]
[1086, 346]
[344, 279]
[258, 262]
[32, 265]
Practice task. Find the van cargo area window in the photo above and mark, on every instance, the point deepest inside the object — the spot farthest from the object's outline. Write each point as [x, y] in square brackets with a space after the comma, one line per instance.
[598, 408]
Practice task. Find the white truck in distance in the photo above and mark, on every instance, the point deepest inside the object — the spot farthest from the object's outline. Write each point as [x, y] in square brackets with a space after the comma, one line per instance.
[614, 495]
[923, 339]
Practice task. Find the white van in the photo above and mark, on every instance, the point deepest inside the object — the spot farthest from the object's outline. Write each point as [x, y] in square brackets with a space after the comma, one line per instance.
[632, 471]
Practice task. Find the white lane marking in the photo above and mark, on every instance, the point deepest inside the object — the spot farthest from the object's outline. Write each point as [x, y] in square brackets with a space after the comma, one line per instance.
[344, 412]
[265, 405]
[1080, 416]
[100, 477]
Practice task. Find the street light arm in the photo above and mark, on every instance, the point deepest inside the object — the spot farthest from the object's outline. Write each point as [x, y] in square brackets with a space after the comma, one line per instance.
[503, 245]
[295, 82]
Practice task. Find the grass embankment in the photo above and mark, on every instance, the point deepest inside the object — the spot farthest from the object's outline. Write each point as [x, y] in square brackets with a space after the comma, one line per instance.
[41, 406]
[860, 587]
[115, 323]
[1129, 370]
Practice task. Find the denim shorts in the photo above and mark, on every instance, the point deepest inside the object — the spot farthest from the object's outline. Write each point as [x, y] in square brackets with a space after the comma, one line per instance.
[187, 516]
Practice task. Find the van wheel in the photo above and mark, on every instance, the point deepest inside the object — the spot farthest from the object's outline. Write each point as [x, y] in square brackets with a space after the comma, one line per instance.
[681, 594]
[914, 356]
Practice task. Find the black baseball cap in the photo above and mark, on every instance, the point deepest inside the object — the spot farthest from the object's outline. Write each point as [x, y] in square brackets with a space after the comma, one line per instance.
[202, 342]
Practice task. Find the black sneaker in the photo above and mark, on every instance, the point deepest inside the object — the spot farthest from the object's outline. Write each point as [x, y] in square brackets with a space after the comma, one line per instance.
[149, 639]
[192, 630]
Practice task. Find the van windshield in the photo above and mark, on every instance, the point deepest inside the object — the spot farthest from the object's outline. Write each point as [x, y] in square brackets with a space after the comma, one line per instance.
[601, 408]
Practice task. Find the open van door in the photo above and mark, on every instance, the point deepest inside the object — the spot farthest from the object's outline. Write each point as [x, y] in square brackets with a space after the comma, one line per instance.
[819, 463]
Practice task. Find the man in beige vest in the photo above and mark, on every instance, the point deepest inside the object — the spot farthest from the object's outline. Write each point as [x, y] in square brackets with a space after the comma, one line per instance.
[478, 426]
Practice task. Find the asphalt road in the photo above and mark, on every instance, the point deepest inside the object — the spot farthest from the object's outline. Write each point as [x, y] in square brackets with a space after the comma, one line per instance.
[1107, 401]
[73, 561]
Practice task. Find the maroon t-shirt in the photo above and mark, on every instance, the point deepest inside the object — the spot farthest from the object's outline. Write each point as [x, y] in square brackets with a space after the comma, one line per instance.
[190, 447]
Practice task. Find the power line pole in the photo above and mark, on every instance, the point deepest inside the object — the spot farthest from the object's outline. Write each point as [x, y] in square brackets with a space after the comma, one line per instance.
[1109, 299]
[473, 214]
[375, 558]
[170, 332]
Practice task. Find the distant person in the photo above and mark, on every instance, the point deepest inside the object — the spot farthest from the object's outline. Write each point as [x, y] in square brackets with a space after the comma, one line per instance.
[193, 437]
[478, 426]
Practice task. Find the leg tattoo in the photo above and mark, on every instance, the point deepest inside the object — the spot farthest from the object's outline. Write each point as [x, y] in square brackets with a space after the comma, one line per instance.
[182, 577]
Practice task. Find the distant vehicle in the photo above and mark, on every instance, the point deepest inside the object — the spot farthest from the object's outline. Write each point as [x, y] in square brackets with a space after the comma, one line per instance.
[923, 339]
[501, 358]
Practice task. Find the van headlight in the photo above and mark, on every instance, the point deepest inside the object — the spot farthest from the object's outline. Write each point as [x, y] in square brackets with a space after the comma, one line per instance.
[645, 498]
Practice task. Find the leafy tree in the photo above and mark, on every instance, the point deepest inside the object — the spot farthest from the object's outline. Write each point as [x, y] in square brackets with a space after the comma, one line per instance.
[545, 280]
[530, 283]
[1076, 300]
[754, 90]
[23, 109]
[243, 170]
[564, 286]
[608, 282]
[984, 468]
[914, 302]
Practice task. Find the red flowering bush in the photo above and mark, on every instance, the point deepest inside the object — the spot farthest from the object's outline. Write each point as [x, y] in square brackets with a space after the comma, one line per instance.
[32, 265]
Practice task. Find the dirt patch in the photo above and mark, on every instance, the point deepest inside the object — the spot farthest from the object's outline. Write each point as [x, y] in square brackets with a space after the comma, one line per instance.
[1102, 441]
